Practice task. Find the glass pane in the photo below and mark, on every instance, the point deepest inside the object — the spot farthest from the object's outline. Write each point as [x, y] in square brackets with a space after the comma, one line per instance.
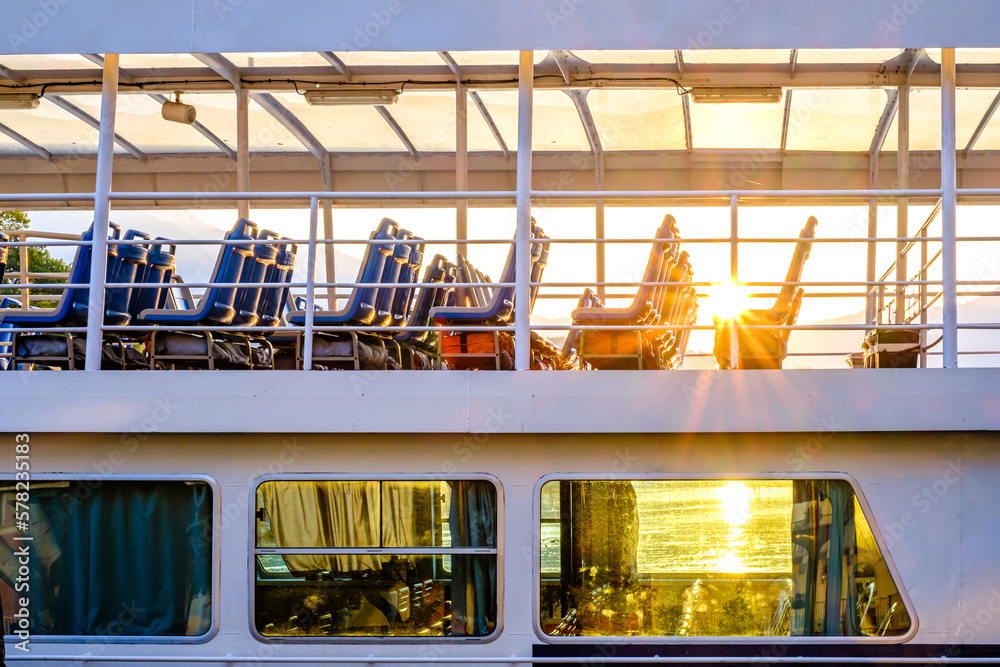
[713, 558]
[343, 128]
[629, 57]
[736, 56]
[638, 119]
[925, 118]
[372, 514]
[969, 56]
[110, 558]
[392, 58]
[47, 61]
[158, 60]
[52, 128]
[402, 596]
[299, 59]
[556, 124]
[834, 120]
[138, 120]
[845, 56]
[736, 125]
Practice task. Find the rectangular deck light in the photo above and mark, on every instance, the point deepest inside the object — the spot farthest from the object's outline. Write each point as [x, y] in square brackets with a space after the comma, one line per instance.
[735, 95]
[18, 101]
[351, 96]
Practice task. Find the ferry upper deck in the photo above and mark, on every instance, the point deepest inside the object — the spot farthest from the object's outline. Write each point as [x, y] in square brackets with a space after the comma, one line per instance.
[502, 272]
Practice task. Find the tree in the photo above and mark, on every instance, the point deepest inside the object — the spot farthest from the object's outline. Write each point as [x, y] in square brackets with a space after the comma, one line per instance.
[39, 259]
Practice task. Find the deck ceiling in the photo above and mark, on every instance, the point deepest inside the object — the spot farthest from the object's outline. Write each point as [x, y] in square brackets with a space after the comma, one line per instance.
[619, 112]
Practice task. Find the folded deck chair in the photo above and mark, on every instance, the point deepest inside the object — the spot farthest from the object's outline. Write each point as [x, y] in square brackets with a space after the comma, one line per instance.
[484, 349]
[416, 353]
[347, 350]
[767, 348]
[157, 275]
[634, 348]
[255, 270]
[130, 266]
[65, 350]
[215, 347]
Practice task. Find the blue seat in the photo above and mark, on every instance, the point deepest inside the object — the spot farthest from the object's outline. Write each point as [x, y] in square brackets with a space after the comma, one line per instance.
[129, 267]
[6, 331]
[360, 307]
[71, 309]
[272, 301]
[403, 299]
[496, 307]
[394, 271]
[215, 308]
[157, 273]
[431, 294]
[255, 270]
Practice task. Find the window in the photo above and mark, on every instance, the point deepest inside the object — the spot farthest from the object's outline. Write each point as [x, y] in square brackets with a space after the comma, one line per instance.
[390, 558]
[108, 558]
[710, 558]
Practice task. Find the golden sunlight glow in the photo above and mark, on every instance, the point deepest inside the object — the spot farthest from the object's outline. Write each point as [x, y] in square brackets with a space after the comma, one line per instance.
[727, 300]
[730, 563]
[735, 498]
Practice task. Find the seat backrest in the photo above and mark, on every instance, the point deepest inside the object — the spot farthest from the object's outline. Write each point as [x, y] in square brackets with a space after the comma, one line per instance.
[159, 270]
[403, 298]
[130, 267]
[80, 299]
[793, 314]
[272, 301]
[361, 301]
[538, 265]
[783, 304]
[392, 272]
[429, 295]
[255, 270]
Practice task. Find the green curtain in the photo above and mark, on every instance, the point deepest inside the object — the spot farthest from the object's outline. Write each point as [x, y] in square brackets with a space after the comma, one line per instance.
[473, 523]
[134, 557]
[824, 559]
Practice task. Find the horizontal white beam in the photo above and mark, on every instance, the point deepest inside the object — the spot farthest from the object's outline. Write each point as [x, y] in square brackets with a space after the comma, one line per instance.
[184, 26]
[533, 402]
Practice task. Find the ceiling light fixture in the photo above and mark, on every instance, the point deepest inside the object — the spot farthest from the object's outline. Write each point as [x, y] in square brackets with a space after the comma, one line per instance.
[735, 95]
[336, 97]
[178, 112]
[19, 101]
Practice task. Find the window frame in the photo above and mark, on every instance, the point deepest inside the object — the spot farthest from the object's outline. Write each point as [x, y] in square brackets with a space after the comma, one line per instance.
[99, 478]
[254, 551]
[536, 523]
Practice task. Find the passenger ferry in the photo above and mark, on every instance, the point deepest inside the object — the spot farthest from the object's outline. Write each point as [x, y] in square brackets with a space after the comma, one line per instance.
[524, 340]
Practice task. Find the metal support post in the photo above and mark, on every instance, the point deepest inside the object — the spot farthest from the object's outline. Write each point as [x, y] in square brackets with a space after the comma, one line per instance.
[328, 248]
[102, 212]
[949, 212]
[522, 266]
[307, 344]
[902, 204]
[734, 277]
[599, 228]
[461, 166]
[243, 149]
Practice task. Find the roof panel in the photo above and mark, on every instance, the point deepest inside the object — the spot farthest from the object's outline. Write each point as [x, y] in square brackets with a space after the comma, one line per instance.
[739, 125]
[464, 58]
[138, 120]
[556, 124]
[294, 59]
[267, 134]
[428, 119]
[217, 112]
[834, 120]
[344, 128]
[845, 56]
[638, 119]
[362, 58]
[730, 56]
[628, 57]
[925, 118]
[969, 56]
[52, 128]
[158, 60]
[10, 147]
[67, 61]
[989, 140]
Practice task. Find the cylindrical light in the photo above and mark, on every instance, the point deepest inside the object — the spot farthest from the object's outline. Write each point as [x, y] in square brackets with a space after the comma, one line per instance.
[178, 112]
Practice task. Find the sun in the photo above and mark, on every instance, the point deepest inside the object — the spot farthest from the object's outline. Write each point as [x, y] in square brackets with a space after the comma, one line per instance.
[727, 300]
